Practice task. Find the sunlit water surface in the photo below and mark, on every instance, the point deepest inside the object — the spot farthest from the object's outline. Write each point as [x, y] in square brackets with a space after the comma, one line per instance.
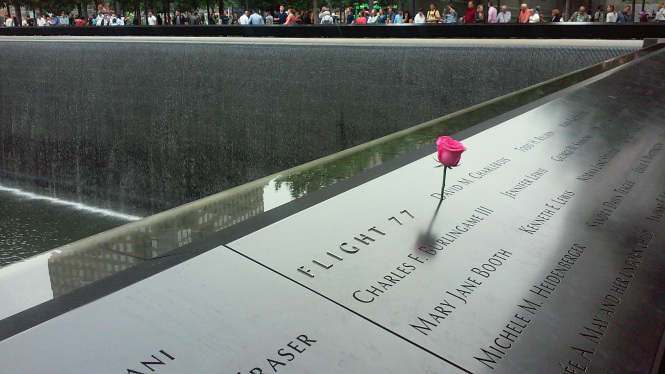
[30, 224]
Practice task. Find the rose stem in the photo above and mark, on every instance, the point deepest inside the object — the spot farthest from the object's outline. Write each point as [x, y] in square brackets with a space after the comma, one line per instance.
[443, 185]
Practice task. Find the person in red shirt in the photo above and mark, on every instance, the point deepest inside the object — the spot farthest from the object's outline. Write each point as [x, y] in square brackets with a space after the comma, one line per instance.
[291, 18]
[470, 13]
[524, 15]
[361, 20]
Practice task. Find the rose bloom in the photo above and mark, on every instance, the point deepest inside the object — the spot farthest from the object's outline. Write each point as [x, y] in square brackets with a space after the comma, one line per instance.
[449, 151]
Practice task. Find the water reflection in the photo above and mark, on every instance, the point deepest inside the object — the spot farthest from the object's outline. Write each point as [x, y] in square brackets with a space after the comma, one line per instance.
[24, 232]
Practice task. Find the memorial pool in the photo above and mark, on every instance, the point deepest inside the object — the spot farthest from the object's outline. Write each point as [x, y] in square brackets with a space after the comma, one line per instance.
[376, 273]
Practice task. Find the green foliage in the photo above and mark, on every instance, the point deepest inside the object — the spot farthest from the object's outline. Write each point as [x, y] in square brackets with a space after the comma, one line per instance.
[50, 6]
[189, 5]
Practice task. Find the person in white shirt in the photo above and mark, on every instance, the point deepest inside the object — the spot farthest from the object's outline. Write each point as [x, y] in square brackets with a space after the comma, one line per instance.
[244, 19]
[9, 22]
[503, 16]
[660, 16]
[152, 20]
[373, 18]
[100, 20]
[611, 16]
[41, 21]
[534, 17]
[121, 21]
[420, 17]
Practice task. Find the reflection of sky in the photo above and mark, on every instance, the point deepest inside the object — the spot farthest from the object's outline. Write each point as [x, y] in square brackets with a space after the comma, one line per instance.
[274, 196]
[18, 291]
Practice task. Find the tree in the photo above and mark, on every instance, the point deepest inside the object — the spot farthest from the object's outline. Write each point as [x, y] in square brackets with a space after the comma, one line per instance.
[17, 12]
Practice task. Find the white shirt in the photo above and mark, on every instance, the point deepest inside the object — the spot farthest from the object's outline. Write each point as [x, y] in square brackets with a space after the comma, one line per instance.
[121, 21]
[534, 18]
[243, 20]
[419, 19]
[611, 17]
[41, 21]
[9, 22]
[152, 21]
[660, 16]
[99, 20]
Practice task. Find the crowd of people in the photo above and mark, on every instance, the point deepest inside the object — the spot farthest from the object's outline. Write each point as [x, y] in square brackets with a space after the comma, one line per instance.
[106, 19]
[473, 14]
[479, 14]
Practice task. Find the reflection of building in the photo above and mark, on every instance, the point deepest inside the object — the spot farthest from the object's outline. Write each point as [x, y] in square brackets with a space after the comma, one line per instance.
[202, 221]
[70, 270]
[81, 263]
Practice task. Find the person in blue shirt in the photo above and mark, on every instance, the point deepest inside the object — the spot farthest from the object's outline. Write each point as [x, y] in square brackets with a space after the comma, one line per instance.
[350, 18]
[625, 16]
[398, 17]
[391, 14]
[280, 17]
[383, 18]
[255, 19]
[450, 16]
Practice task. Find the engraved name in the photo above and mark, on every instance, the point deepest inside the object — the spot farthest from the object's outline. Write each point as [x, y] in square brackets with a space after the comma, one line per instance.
[459, 295]
[388, 281]
[573, 119]
[457, 231]
[595, 329]
[610, 205]
[646, 160]
[505, 340]
[570, 150]
[522, 185]
[293, 349]
[659, 210]
[535, 140]
[599, 165]
[489, 169]
[551, 208]
[162, 358]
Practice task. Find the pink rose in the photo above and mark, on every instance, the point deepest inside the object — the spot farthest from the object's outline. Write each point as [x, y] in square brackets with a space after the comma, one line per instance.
[450, 151]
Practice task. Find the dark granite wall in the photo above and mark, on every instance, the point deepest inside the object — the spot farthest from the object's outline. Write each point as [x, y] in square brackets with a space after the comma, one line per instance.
[142, 127]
